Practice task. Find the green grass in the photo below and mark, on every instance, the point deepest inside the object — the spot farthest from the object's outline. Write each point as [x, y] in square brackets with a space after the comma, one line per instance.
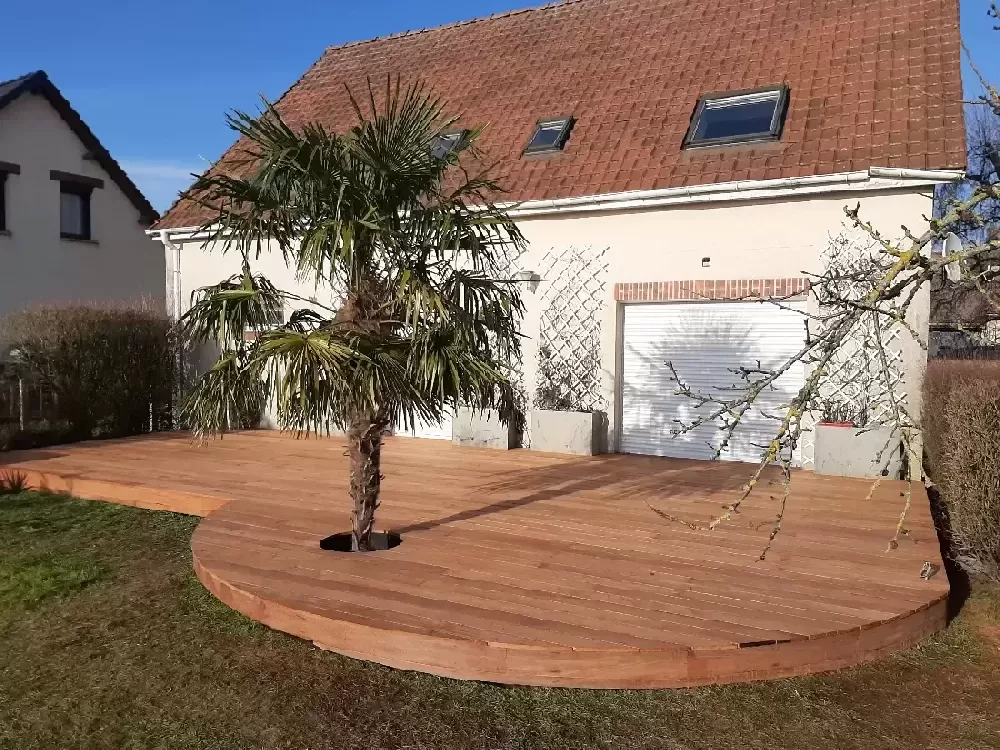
[107, 640]
[27, 581]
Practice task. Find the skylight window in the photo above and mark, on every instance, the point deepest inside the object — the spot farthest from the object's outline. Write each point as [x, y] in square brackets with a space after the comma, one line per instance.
[741, 117]
[448, 142]
[550, 135]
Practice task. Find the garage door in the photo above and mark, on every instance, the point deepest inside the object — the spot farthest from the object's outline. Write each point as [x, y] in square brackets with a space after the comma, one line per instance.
[703, 340]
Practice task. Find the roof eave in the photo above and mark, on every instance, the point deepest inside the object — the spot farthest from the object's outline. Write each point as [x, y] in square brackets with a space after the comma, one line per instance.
[874, 179]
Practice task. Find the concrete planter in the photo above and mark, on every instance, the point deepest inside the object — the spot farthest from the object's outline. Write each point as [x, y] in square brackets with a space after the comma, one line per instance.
[576, 432]
[483, 429]
[843, 450]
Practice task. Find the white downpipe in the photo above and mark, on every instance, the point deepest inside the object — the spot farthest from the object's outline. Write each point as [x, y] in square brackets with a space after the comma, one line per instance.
[174, 249]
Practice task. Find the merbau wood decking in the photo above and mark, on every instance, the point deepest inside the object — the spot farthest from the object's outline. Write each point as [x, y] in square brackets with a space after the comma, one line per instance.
[530, 568]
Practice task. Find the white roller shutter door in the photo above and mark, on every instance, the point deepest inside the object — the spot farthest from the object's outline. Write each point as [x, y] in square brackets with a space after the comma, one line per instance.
[703, 340]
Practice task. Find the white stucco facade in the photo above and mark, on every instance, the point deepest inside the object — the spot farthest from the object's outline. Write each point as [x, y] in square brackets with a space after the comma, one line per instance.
[777, 237]
[121, 264]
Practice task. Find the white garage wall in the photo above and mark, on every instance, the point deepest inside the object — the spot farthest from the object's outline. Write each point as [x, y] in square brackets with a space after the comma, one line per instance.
[750, 240]
[204, 264]
[704, 341]
[745, 240]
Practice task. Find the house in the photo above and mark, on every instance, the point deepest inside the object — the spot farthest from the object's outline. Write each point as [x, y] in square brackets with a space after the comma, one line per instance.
[670, 158]
[72, 224]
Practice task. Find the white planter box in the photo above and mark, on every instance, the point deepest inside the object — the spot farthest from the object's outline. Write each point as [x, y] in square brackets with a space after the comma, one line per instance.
[578, 432]
[483, 429]
[845, 451]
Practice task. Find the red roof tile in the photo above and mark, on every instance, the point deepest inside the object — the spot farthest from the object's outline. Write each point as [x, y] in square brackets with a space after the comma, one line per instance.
[873, 83]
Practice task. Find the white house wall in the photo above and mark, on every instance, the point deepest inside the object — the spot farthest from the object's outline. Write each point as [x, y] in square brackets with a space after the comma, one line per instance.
[204, 264]
[121, 265]
[780, 238]
[750, 240]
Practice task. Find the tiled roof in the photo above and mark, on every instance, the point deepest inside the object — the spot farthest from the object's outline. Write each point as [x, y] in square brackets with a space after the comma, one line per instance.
[873, 83]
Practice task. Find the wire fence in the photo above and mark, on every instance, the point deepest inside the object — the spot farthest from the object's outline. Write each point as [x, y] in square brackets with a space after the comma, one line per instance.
[24, 402]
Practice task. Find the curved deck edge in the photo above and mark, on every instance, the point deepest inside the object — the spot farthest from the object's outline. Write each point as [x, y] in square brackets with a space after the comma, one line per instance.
[485, 661]
[492, 661]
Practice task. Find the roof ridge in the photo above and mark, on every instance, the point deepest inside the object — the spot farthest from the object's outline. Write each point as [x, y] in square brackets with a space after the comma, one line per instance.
[22, 79]
[454, 24]
[12, 89]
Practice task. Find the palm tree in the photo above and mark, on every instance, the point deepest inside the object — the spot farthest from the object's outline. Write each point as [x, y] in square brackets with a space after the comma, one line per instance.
[390, 218]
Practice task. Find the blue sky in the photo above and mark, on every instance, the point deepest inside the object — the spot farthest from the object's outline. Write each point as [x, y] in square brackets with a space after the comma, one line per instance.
[154, 79]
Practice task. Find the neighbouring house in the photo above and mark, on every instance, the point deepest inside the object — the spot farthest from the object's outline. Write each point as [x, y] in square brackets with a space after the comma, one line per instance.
[669, 158]
[72, 223]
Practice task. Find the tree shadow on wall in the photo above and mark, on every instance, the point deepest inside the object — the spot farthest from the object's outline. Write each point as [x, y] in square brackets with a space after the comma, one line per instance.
[705, 344]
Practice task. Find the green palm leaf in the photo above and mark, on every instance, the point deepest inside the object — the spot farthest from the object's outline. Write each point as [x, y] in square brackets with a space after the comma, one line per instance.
[412, 240]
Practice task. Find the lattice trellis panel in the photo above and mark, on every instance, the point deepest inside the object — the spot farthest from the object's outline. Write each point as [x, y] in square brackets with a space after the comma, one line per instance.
[860, 379]
[867, 374]
[569, 345]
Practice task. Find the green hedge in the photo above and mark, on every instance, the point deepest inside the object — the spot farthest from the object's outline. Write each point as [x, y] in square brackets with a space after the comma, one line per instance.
[111, 369]
[962, 443]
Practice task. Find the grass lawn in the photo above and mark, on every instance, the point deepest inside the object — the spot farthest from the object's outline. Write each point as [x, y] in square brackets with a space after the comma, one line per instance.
[107, 640]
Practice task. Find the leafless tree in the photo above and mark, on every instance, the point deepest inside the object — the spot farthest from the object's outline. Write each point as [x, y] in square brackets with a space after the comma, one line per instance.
[863, 308]
[956, 303]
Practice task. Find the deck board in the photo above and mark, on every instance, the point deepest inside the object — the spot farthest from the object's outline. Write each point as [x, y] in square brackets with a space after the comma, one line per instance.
[533, 568]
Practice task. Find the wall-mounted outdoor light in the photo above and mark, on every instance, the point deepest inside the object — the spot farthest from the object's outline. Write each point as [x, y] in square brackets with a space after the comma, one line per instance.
[706, 262]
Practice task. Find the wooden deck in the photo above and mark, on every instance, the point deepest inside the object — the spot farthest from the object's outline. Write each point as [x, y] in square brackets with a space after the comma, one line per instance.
[529, 568]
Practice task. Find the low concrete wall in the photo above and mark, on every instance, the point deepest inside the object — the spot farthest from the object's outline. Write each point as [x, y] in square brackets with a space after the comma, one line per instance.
[576, 432]
[483, 429]
[848, 452]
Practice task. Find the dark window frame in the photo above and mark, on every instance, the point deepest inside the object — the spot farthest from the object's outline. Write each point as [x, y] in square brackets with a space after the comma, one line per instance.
[3, 201]
[6, 168]
[83, 191]
[461, 137]
[777, 119]
[83, 186]
[566, 122]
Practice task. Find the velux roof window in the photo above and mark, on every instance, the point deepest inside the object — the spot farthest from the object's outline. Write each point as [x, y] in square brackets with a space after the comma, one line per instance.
[738, 117]
[448, 142]
[550, 135]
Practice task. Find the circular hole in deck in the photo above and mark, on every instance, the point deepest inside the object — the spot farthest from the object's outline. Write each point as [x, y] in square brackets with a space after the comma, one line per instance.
[344, 542]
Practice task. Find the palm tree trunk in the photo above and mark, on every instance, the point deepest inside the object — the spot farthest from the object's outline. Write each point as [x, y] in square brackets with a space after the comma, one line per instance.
[365, 450]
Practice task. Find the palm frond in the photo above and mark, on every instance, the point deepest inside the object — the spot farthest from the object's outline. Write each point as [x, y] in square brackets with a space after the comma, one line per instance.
[231, 395]
[413, 239]
[226, 312]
